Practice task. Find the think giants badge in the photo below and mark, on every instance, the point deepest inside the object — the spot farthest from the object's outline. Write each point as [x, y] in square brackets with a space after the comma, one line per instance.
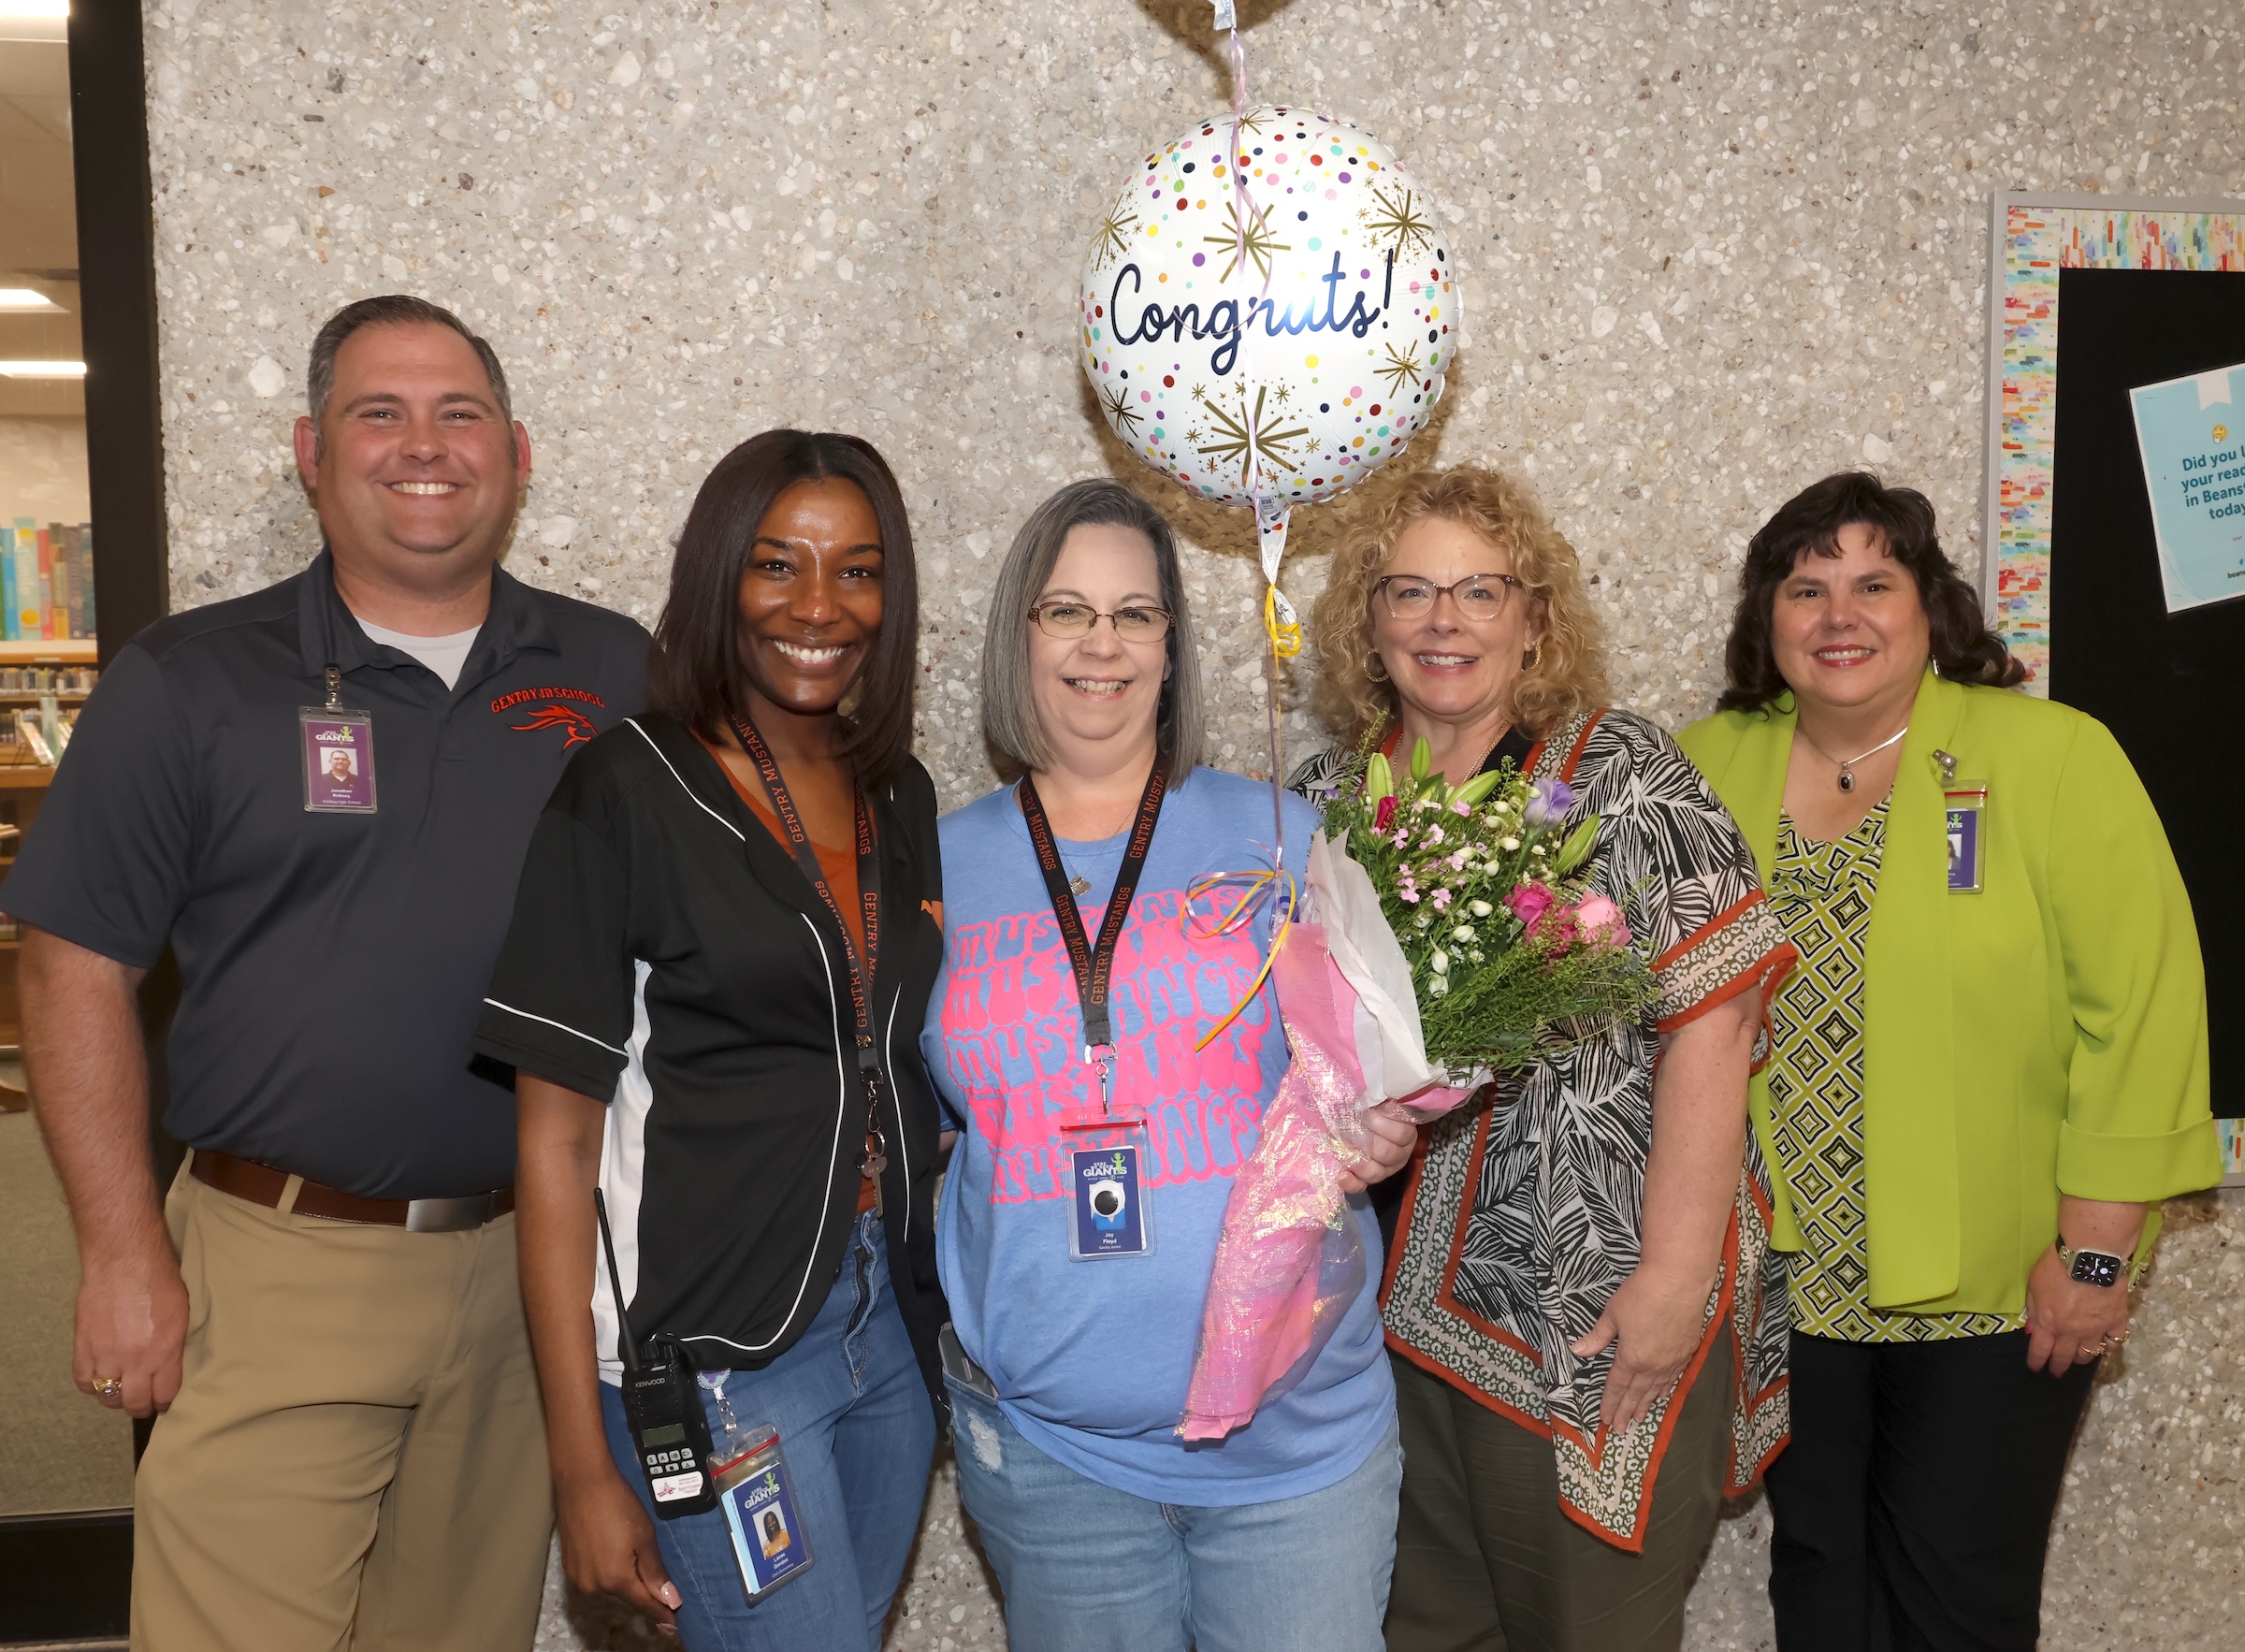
[338, 760]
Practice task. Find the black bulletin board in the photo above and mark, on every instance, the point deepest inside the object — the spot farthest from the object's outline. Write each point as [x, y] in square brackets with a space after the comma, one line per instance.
[2171, 687]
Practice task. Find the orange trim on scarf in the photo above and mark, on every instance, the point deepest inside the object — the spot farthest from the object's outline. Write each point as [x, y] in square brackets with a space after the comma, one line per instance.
[1769, 971]
[1574, 752]
[1410, 1203]
[1446, 1296]
[1481, 1397]
[1718, 1324]
[1714, 925]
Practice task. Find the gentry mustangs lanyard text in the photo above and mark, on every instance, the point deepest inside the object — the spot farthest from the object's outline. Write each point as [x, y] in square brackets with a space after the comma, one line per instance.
[1094, 964]
[869, 902]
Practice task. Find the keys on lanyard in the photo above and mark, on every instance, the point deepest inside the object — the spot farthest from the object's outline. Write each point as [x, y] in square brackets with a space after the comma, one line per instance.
[1093, 964]
[875, 1159]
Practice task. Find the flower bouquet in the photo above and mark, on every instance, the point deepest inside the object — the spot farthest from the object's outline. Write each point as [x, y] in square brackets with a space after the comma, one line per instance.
[1451, 936]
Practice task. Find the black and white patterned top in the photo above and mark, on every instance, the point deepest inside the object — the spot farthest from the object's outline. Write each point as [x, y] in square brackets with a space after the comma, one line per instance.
[1523, 1216]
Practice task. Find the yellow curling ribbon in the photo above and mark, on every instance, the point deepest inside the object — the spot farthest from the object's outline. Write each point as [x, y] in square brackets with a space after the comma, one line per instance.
[1285, 638]
[1256, 888]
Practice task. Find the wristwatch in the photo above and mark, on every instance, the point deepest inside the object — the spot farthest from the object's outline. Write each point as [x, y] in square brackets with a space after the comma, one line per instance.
[2092, 1267]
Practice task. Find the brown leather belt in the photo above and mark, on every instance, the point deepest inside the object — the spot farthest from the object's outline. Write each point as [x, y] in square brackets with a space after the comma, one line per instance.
[261, 1184]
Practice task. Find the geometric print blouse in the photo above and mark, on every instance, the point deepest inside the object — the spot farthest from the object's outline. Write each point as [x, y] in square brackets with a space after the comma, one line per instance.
[1524, 1204]
[1822, 893]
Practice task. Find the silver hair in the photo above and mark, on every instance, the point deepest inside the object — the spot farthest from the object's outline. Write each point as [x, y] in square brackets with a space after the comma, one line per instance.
[1009, 720]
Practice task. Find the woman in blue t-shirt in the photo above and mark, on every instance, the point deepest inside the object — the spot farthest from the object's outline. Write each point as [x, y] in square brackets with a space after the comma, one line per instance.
[1079, 1225]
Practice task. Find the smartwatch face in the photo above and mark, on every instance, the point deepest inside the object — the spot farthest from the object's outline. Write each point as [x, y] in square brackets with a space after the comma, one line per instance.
[2093, 1267]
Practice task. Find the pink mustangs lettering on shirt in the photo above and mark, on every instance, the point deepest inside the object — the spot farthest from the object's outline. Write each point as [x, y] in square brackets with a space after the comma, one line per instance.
[1014, 1028]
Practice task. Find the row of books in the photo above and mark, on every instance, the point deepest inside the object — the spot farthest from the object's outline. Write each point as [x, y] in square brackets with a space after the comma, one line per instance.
[47, 580]
[48, 679]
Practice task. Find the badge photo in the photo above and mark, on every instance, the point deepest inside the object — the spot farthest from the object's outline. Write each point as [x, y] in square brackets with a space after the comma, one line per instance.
[338, 760]
[758, 1496]
[1109, 1215]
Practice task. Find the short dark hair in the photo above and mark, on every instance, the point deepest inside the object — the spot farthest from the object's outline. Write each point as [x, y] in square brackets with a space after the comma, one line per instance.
[1964, 650]
[394, 309]
[695, 672]
[1009, 720]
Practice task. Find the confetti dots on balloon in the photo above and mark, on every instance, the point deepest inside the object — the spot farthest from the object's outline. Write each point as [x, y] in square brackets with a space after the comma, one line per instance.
[1307, 264]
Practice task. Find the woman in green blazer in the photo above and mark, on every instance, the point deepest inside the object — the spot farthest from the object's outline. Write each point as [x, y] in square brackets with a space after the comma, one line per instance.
[1989, 1068]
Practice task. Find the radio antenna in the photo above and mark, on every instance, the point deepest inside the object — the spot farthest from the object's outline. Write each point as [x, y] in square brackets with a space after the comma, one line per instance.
[616, 1287]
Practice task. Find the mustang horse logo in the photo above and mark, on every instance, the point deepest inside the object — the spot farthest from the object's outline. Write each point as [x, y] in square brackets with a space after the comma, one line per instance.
[550, 716]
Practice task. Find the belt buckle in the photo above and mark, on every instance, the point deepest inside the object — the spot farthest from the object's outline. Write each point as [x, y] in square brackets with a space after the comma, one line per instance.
[448, 1215]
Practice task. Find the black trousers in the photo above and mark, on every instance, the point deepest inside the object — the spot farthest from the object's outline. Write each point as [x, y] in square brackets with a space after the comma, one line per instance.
[1913, 1507]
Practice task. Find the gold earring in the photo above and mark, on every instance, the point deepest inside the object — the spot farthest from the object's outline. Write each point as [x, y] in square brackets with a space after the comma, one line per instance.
[1533, 656]
[1375, 667]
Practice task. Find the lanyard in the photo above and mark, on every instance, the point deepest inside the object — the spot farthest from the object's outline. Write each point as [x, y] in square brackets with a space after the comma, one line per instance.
[869, 901]
[1093, 965]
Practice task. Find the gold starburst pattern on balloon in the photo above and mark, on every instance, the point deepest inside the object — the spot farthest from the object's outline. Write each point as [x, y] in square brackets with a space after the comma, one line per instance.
[1114, 230]
[1249, 235]
[1396, 218]
[1245, 435]
[1401, 370]
[1120, 414]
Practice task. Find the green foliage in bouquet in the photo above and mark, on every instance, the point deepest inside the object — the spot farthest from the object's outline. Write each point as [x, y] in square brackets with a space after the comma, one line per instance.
[1512, 956]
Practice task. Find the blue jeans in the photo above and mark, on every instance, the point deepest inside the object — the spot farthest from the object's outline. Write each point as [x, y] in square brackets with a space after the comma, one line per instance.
[858, 1432]
[1086, 1568]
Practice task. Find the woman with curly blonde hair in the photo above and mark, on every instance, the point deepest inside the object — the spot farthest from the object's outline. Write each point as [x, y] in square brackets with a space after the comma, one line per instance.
[1587, 1337]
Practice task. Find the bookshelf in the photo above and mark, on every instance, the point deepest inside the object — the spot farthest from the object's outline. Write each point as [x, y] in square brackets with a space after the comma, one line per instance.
[50, 651]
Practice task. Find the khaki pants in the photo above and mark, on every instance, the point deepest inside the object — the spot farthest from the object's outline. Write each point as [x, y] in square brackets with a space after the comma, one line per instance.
[357, 1456]
[1486, 1562]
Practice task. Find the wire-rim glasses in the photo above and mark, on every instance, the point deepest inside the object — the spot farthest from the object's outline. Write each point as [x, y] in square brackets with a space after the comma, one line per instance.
[1478, 598]
[1134, 622]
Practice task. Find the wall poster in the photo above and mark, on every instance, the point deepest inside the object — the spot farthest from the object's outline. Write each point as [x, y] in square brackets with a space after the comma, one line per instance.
[2192, 435]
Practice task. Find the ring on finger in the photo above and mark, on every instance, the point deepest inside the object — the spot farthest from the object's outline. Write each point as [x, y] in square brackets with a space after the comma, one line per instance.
[109, 1388]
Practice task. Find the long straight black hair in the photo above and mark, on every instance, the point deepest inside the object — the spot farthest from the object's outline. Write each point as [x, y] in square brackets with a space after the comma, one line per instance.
[1964, 650]
[696, 673]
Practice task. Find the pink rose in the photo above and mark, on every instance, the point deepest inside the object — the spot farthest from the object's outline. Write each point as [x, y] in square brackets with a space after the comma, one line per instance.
[1530, 902]
[1601, 922]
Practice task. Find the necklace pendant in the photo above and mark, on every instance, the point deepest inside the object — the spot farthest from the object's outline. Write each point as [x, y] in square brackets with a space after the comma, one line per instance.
[1080, 885]
[1847, 778]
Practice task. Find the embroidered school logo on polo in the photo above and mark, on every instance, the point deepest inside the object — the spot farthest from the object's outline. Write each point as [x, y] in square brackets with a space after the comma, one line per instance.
[554, 714]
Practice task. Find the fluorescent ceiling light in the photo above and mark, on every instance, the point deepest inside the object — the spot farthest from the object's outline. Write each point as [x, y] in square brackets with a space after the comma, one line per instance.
[25, 298]
[42, 370]
[13, 10]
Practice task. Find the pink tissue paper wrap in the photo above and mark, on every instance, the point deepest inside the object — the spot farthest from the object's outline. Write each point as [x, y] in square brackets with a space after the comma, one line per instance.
[1290, 1259]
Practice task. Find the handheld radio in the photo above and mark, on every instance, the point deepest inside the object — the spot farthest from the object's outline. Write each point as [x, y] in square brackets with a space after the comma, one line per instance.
[662, 1406]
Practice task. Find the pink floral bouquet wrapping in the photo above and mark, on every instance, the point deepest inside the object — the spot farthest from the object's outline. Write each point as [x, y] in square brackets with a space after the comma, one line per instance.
[1449, 936]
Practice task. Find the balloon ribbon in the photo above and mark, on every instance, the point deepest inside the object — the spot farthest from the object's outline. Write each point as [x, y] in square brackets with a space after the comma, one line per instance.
[1255, 889]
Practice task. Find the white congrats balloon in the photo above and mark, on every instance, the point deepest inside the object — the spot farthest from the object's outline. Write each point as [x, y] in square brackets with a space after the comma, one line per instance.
[1268, 326]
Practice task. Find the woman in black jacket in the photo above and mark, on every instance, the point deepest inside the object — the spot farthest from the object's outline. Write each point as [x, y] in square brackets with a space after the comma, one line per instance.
[727, 929]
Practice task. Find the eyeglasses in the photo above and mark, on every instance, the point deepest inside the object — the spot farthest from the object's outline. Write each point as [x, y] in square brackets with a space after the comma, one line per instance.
[1479, 597]
[1138, 623]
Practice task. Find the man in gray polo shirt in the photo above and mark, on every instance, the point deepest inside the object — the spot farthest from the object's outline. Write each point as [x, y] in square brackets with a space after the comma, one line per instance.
[318, 796]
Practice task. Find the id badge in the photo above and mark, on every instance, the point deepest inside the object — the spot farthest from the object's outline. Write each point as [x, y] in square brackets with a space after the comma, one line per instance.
[1967, 813]
[338, 760]
[1109, 1211]
[757, 1494]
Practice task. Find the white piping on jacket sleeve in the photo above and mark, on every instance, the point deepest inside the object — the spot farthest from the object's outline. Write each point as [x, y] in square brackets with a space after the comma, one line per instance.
[562, 1026]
